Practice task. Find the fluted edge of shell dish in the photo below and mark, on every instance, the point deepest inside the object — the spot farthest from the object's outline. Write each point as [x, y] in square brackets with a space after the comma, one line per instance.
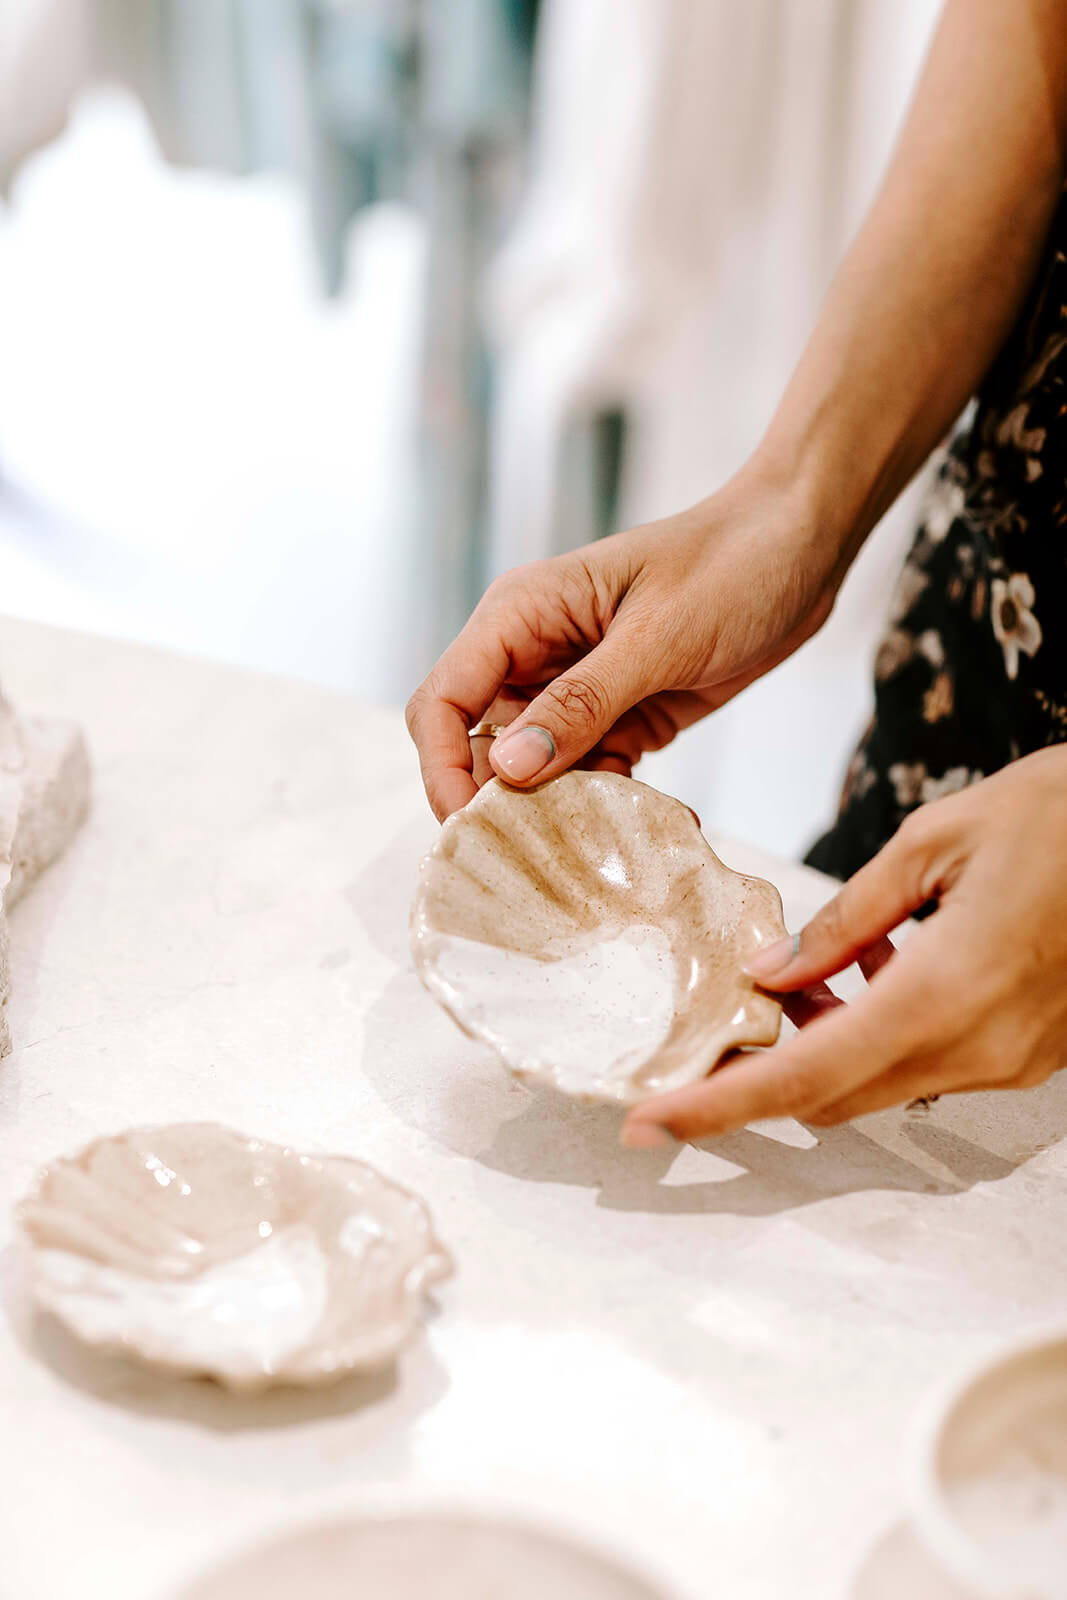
[607, 890]
[199, 1251]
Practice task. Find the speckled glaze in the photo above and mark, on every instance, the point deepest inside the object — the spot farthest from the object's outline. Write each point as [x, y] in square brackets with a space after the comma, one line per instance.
[199, 1251]
[588, 932]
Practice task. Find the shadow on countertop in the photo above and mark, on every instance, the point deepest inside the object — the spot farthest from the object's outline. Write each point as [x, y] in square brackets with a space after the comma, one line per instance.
[415, 1376]
[776, 1176]
[897, 1565]
[456, 1094]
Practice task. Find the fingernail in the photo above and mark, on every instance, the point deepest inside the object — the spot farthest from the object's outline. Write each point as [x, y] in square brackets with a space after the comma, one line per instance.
[768, 963]
[521, 756]
[646, 1136]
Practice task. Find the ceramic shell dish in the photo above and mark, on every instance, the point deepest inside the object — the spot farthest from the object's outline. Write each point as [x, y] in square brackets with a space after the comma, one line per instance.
[197, 1250]
[421, 1558]
[588, 932]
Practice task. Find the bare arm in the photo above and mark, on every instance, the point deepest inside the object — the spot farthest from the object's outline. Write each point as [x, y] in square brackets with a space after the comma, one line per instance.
[936, 276]
[917, 313]
[615, 648]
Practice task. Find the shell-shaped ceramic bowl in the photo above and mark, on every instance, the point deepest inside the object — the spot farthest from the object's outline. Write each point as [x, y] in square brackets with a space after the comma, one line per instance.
[588, 932]
[199, 1251]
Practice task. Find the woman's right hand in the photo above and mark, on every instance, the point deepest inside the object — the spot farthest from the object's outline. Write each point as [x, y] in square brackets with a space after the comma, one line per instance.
[611, 650]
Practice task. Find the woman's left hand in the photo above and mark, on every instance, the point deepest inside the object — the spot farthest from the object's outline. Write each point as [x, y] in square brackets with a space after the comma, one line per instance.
[975, 999]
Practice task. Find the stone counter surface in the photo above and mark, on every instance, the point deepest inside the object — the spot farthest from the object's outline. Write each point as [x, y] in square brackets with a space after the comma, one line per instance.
[703, 1361]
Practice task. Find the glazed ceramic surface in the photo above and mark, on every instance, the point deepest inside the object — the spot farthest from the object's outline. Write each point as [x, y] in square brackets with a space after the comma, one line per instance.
[414, 1558]
[588, 932]
[198, 1250]
[990, 1488]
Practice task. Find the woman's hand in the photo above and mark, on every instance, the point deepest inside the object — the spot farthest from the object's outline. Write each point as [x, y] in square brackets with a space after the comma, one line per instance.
[608, 652]
[646, 632]
[975, 999]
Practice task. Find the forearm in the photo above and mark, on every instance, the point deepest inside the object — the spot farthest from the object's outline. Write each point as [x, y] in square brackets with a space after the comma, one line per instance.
[934, 280]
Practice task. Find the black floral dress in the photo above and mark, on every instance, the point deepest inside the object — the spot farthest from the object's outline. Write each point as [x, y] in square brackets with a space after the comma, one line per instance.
[972, 671]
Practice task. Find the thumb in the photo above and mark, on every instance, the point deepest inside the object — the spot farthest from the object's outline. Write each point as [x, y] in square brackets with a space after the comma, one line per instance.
[573, 713]
[894, 883]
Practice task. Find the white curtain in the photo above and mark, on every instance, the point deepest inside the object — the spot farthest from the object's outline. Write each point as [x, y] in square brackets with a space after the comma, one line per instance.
[44, 47]
[697, 168]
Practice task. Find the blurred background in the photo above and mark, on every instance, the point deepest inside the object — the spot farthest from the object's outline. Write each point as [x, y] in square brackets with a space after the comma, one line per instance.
[316, 314]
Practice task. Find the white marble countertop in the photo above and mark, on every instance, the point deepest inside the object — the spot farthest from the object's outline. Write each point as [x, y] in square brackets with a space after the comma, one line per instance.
[703, 1361]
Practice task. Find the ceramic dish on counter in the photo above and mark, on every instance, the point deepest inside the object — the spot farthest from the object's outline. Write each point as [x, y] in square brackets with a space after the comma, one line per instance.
[418, 1557]
[196, 1250]
[588, 932]
[989, 1475]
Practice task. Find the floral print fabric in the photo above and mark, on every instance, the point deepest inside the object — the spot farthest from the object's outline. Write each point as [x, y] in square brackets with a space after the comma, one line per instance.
[972, 670]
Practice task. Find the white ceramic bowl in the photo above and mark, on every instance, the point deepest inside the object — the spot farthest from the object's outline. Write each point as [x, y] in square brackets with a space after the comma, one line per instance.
[588, 932]
[421, 1557]
[196, 1250]
[989, 1473]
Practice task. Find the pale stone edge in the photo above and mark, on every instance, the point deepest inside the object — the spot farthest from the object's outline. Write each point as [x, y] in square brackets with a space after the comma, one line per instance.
[55, 804]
